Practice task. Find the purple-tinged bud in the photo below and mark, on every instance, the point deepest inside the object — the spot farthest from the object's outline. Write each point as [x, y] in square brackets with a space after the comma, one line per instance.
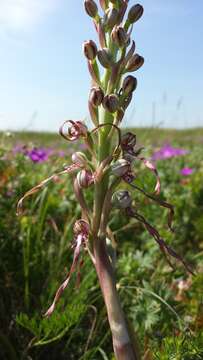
[120, 167]
[78, 158]
[135, 13]
[91, 8]
[135, 62]
[85, 178]
[111, 17]
[111, 103]
[90, 49]
[105, 58]
[121, 199]
[119, 36]
[129, 84]
[96, 96]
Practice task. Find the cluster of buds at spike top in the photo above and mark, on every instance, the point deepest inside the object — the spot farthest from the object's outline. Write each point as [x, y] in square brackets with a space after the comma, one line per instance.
[121, 199]
[135, 13]
[85, 178]
[91, 8]
[90, 50]
[96, 96]
[76, 129]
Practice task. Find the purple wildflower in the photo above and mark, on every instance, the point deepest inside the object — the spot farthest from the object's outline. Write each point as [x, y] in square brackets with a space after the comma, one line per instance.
[39, 155]
[168, 151]
[186, 171]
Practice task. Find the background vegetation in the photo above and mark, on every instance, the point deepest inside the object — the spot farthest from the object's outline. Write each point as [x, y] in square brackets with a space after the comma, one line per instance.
[165, 307]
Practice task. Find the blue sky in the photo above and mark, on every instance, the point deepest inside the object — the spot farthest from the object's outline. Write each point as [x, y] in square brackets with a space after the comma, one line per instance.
[44, 78]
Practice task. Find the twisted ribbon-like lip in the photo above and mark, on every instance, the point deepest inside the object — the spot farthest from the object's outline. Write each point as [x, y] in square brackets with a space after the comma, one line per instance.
[42, 184]
[81, 238]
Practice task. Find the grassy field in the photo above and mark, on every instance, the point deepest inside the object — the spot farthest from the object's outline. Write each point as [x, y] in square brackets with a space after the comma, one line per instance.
[164, 306]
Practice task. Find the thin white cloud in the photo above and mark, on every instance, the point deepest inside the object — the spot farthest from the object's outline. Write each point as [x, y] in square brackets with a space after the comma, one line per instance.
[24, 14]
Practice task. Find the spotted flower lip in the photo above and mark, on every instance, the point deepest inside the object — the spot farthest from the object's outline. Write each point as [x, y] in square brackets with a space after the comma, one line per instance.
[167, 151]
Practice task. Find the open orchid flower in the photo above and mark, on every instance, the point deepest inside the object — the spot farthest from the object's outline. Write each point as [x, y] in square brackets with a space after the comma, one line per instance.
[81, 233]
[122, 168]
[128, 143]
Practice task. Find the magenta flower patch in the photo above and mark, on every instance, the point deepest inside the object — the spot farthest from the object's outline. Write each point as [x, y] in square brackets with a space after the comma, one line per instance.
[186, 171]
[168, 151]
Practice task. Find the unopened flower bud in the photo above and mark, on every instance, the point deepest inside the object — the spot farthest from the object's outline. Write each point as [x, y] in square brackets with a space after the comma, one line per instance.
[120, 167]
[111, 18]
[111, 103]
[135, 13]
[96, 96]
[121, 199]
[91, 8]
[119, 36]
[134, 63]
[105, 58]
[78, 158]
[129, 85]
[90, 49]
[84, 178]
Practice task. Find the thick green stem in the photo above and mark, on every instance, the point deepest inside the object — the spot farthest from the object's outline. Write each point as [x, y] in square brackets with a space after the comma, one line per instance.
[122, 344]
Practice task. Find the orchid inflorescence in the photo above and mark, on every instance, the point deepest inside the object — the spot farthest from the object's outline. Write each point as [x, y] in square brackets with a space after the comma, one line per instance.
[106, 164]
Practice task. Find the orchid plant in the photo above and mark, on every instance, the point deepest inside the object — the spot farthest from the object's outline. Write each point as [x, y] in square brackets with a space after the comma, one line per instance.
[109, 161]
